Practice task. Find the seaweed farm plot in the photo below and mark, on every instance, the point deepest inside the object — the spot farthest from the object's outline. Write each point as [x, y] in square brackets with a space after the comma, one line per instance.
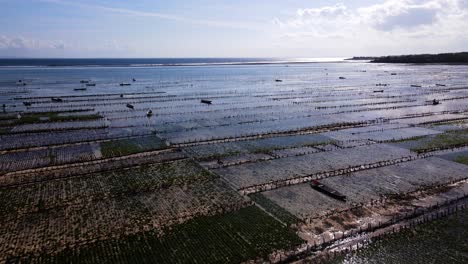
[209, 151]
[133, 180]
[52, 138]
[82, 168]
[23, 160]
[450, 125]
[366, 187]
[123, 147]
[101, 206]
[215, 164]
[417, 246]
[381, 133]
[228, 238]
[457, 156]
[443, 141]
[248, 175]
[238, 152]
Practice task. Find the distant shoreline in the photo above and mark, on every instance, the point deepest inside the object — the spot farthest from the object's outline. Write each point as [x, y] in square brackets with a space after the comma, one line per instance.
[442, 58]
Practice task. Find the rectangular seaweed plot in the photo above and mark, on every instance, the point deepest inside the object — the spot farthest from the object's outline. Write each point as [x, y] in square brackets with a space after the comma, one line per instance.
[15, 161]
[458, 156]
[303, 201]
[266, 127]
[447, 140]
[279, 212]
[131, 146]
[97, 186]
[365, 186]
[229, 238]
[246, 175]
[26, 230]
[382, 133]
[255, 146]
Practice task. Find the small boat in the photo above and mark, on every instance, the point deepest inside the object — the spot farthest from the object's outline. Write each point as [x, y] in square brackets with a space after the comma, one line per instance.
[56, 99]
[134, 79]
[435, 102]
[439, 84]
[90, 84]
[327, 190]
[121, 96]
[378, 91]
[27, 103]
[381, 84]
[416, 86]
[393, 73]
[149, 113]
[342, 78]
[130, 106]
[125, 84]
[84, 81]
[80, 89]
[206, 101]
[278, 80]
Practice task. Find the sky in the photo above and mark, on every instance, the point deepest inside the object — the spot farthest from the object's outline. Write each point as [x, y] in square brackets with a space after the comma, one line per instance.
[226, 28]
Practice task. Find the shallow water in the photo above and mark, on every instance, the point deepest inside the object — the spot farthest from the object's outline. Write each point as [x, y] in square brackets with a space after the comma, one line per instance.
[441, 241]
[252, 107]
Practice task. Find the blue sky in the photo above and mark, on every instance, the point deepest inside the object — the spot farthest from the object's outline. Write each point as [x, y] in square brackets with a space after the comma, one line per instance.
[221, 28]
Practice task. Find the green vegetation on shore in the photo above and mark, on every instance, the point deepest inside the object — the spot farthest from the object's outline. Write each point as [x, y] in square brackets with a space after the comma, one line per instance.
[461, 57]
[230, 238]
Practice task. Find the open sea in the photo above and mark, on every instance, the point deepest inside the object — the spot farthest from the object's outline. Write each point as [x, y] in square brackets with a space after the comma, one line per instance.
[148, 62]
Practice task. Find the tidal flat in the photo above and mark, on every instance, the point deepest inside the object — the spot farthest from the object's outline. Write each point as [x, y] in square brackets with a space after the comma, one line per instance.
[151, 172]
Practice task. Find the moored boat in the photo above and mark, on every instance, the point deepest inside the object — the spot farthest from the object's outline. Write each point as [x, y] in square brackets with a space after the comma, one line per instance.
[327, 190]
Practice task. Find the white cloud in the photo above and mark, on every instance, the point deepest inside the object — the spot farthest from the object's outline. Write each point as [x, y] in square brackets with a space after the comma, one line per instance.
[18, 46]
[411, 14]
[22, 43]
[324, 21]
[406, 23]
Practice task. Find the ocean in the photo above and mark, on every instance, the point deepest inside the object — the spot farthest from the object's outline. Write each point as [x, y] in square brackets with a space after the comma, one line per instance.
[151, 62]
